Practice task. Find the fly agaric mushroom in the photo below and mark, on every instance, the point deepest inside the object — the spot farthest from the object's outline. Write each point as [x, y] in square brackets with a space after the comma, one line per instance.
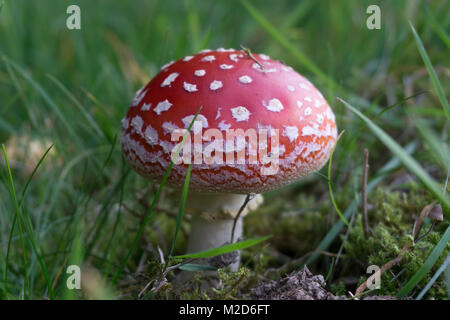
[294, 126]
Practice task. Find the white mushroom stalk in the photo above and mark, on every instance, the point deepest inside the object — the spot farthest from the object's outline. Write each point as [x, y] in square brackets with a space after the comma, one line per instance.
[218, 220]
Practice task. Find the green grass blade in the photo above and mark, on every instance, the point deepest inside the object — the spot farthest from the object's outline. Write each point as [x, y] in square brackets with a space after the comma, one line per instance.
[441, 269]
[184, 195]
[297, 14]
[196, 267]
[46, 97]
[330, 187]
[380, 113]
[108, 158]
[427, 265]
[33, 173]
[20, 91]
[8, 250]
[439, 30]
[76, 253]
[409, 162]
[97, 230]
[80, 107]
[434, 79]
[223, 249]
[19, 219]
[447, 279]
[113, 239]
[437, 147]
[330, 270]
[29, 231]
[332, 234]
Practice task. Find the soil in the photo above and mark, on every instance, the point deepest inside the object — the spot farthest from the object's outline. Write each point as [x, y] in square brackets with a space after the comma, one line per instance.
[301, 285]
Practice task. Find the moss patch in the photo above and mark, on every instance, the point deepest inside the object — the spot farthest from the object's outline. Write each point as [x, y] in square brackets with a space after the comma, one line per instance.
[391, 221]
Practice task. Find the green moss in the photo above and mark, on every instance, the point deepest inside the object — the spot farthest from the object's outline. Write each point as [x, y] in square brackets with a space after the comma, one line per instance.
[232, 283]
[229, 285]
[391, 221]
[339, 288]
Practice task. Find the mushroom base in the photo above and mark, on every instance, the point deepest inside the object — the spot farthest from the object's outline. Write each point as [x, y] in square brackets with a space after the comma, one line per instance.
[214, 215]
[208, 234]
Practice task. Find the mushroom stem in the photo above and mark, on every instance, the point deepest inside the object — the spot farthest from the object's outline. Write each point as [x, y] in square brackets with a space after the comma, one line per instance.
[218, 218]
[208, 234]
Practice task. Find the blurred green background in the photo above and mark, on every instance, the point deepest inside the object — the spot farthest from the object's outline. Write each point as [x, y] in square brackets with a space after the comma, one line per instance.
[83, 205]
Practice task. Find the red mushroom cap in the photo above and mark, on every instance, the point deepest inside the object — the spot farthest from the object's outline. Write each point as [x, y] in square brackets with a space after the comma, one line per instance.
[235, 91]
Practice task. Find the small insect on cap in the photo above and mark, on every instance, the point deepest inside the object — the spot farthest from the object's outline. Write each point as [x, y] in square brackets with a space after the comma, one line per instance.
[294, 126]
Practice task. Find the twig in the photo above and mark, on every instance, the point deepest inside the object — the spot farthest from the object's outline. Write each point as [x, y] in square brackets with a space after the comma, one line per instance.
[415, 236]
[419, 221]
[383, 269]
[347, 233]
[432, 211]
[364, 193]
[249, 53]
[249, 197]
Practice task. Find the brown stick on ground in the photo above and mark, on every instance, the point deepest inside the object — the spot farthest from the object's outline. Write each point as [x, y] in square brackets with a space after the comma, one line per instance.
[383, 269]
[416, 231]
[364, 193]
